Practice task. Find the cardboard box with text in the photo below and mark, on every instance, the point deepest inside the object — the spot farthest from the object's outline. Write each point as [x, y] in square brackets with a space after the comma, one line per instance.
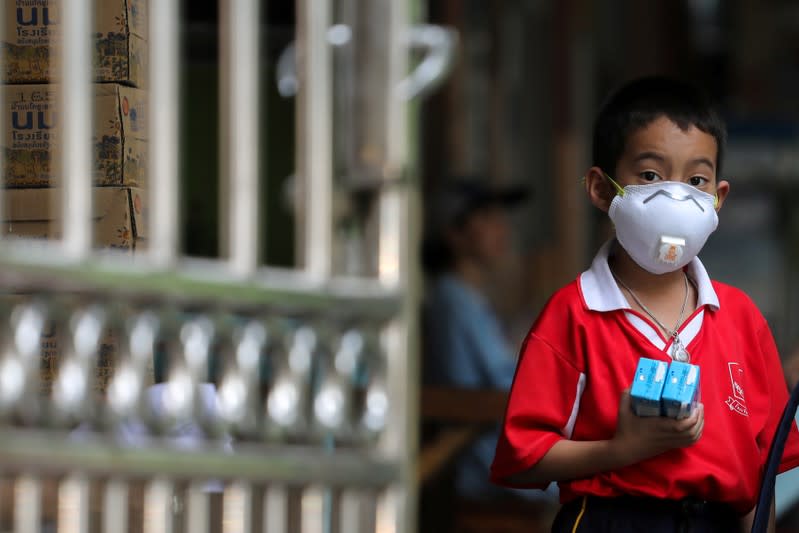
[647, 386]
[31, 141]
[681, 392]
[32, 33]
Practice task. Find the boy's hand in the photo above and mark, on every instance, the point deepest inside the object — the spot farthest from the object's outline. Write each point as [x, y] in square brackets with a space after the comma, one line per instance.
[640, 438]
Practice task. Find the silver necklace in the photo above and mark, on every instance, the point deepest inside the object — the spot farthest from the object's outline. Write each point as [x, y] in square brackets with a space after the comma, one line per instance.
[678, 351]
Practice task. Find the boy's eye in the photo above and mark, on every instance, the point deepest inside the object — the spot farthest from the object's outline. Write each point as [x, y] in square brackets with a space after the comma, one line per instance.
[649, 175]
[698, 181]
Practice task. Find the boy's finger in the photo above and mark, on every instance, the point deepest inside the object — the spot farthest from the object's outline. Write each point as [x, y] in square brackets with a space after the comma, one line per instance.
[695, 417]
[696, 428]
[700, 415]
[696, 432]
[670, 426]
[686, 424]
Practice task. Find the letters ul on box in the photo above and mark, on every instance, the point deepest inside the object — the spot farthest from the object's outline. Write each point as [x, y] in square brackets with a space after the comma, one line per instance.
[30, 141]
[32, 34]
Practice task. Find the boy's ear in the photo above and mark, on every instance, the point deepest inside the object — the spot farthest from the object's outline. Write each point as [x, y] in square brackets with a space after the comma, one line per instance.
[599, 189]
[722, 190]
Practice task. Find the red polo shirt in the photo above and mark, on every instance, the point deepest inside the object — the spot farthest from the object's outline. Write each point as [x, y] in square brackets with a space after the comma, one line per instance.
[582, 352]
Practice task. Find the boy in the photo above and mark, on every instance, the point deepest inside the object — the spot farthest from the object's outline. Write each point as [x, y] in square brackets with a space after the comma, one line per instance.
[657, 151]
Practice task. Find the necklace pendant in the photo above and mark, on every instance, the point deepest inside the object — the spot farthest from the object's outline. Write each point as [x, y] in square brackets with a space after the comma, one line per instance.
[678, 351]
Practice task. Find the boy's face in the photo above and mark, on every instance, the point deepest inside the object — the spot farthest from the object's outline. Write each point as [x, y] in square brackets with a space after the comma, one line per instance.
[661, 151]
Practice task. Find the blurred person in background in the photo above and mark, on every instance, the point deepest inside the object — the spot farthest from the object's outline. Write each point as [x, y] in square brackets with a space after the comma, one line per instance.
[468, 237]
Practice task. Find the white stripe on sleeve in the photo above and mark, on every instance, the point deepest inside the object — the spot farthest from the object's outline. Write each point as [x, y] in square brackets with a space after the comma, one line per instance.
[567, 430]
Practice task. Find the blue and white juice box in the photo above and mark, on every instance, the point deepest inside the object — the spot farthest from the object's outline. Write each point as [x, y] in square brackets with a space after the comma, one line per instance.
[681, 392]
[650, 377]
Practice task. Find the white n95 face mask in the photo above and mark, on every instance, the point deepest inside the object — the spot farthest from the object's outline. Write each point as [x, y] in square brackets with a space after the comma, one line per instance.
[662, 225]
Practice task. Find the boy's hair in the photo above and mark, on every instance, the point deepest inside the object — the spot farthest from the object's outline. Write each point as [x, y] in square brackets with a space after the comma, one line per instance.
[639, 102]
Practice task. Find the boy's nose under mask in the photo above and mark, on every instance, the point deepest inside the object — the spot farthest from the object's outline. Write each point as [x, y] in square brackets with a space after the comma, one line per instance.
[662, 225]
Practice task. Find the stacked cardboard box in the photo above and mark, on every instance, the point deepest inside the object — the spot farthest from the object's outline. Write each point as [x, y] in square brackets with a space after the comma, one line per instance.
[30, 138]
[30, 142]
[33, 28]
[663, 388]
[119, 221]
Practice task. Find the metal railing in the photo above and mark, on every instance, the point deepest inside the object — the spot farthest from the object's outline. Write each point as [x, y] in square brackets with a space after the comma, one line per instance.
[287, 400]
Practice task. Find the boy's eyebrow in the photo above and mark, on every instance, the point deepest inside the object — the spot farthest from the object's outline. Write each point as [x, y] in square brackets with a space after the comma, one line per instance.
[704, 161]
[649, 155]
[660, 159]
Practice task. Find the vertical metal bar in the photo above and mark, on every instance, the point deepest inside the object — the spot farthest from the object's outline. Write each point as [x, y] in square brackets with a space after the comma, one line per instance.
[350, 514]
[240, 67]
[276, 509]
[313, 510]
[158, 507]
[330, 509]
[198, 508]
[398, 439]
[399, 337]
[27, 504]
[163, 118]
[115, 506]
[393, 221]
[73, 505]
[391, 508]
[398, 242]
[391, 233]
[314, 135]
[237, 514]
[76, 127]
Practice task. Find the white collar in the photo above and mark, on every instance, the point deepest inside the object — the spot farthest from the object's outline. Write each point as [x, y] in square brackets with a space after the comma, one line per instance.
[601, 293]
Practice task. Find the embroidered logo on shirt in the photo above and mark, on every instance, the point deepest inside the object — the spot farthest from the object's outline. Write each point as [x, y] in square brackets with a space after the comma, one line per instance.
[737, 402]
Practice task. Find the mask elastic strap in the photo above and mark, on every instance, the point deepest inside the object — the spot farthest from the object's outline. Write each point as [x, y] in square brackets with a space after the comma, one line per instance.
[619, 189]
[715, 201]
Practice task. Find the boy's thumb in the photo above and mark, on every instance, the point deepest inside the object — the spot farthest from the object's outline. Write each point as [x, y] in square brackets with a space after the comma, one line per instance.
[625, 397]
